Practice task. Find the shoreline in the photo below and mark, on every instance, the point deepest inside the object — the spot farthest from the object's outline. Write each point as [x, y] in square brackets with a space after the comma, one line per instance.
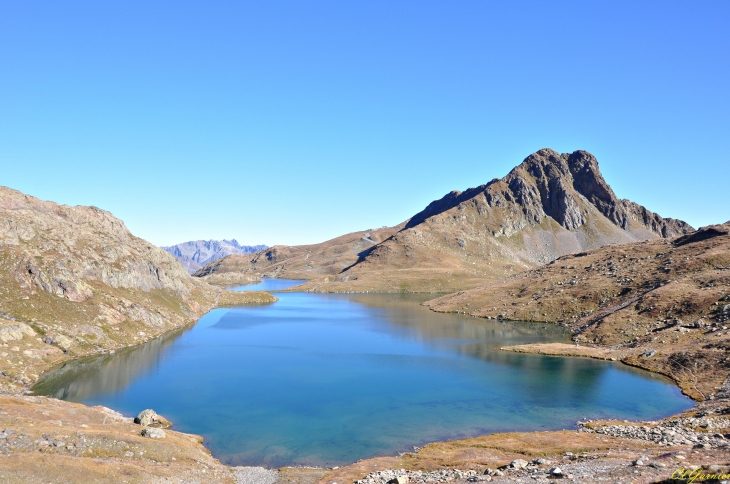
[334, 474]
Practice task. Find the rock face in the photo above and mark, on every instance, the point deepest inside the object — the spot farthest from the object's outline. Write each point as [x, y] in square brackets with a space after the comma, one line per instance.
[196, 253]
[59, 250]
[75, 282]
[550, 205]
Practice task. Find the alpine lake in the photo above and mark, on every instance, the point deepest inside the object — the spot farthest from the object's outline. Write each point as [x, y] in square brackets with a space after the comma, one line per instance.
[326, 380]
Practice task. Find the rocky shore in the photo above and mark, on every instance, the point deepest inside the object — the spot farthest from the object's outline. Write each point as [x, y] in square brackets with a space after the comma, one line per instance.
[670, 450]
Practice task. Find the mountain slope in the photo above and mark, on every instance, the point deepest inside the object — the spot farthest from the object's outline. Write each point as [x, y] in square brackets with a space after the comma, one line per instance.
[550, 205]
[196, 253]
[662, 305]
[295, 262]
[75, 282]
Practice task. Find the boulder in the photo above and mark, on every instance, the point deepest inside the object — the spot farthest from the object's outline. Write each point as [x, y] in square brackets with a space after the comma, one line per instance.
[518, 464]
[14, 332]
[146, 417]
[149, 418]
[153, 433]
[555, 471]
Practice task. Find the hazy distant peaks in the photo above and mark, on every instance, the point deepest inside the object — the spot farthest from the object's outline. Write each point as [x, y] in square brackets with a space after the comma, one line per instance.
[196, 253]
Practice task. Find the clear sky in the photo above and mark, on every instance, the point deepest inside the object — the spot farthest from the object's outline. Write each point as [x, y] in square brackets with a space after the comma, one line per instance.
[293, 122]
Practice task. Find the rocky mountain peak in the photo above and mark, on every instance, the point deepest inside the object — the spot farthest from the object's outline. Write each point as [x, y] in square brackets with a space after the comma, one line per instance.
[567, 187]
[565, 182]
[551, 204]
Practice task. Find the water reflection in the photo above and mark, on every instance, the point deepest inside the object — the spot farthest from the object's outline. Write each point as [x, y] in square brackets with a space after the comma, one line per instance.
[86, 378]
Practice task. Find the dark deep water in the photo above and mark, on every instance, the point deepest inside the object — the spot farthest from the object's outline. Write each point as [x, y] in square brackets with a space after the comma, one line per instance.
[329, 379]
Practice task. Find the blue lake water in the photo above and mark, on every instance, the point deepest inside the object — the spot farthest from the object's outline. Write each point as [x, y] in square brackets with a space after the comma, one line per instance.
[269, 285]
[329, 379]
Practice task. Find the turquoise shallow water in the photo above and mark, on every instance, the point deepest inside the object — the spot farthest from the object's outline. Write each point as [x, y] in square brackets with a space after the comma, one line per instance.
[329, 379]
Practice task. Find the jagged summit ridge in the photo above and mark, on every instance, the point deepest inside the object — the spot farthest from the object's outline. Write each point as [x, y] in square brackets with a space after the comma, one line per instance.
[565, 187]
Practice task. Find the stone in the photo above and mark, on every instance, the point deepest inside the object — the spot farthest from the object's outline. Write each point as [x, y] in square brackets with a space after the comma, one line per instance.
[150, 418]
[555, 471]
[146, 417]
[649, 353]
[153, 433]
[493, 472]
[14, 332]
[518, 464]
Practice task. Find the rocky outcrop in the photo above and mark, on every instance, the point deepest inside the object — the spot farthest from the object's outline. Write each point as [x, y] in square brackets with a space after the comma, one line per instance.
[703, 233]
[196, 253]
[59, 249]
[74, 281]
[14, 331]
[149, 418]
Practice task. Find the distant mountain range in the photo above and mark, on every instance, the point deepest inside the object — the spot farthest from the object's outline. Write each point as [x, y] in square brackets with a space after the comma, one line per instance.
[196, 253]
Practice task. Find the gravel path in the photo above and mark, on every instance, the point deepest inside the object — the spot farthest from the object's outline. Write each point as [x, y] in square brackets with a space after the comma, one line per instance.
[255, 475]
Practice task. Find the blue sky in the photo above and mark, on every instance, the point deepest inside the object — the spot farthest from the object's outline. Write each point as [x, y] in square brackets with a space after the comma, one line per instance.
[294, 122]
